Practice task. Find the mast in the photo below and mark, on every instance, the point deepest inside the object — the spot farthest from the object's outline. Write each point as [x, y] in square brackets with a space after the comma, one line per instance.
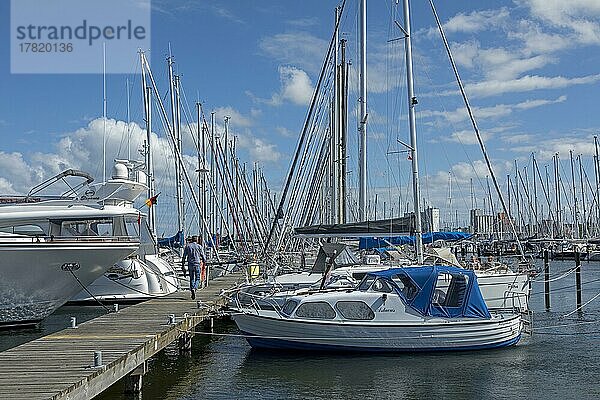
[362, 122]
[584, 231]
[103, 112]
[177, 140]
[149, 160]
[147, 96]
[201, 172]
[412, 102]
[343, 131]
[334, 159]
[575, 230]
[597, 175]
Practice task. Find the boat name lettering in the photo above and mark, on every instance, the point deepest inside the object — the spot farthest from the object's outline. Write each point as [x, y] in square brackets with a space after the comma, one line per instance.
[383, 309]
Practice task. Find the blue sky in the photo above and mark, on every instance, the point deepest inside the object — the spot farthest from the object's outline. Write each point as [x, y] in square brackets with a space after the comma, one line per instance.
[530, 69]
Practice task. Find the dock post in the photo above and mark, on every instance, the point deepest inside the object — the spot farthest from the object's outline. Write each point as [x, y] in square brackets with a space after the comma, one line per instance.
[133, 381]
[546, 281]
[578, 277]
[185, 341]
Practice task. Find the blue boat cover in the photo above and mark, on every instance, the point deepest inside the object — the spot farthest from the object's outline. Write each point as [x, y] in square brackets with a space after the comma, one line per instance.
[425, 279]
[173, 241]
[430, 237]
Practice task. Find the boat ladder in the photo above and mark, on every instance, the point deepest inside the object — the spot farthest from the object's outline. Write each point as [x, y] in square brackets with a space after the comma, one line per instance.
[527, 321]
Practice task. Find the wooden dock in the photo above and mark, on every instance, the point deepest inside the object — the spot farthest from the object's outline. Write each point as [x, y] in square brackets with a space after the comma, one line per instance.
[61, 365]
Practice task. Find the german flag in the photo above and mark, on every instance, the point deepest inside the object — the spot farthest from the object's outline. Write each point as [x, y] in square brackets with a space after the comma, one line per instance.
[152, 200]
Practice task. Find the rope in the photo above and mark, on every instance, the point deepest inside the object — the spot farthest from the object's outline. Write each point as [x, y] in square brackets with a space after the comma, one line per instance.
[566, 287]
[569, 272]
[88, 292]
[583, 305]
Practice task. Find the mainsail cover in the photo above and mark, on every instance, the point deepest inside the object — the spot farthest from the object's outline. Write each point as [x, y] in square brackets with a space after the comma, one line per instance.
[390, 226]
[430, 237]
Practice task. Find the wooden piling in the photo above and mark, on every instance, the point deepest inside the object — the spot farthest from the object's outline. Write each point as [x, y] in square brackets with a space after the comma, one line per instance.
[546, 281]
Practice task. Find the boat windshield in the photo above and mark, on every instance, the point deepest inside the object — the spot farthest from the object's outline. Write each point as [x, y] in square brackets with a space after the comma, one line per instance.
[366, 283]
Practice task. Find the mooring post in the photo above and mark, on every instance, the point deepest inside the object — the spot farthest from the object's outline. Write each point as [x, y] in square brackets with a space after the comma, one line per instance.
[133, 381]
[546, 280]
[578, 277]
[185, 341]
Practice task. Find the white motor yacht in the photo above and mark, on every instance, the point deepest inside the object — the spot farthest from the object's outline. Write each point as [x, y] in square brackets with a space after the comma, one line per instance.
[52, 247]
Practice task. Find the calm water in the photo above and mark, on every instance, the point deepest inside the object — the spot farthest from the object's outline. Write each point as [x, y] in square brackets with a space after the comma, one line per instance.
[558, 363]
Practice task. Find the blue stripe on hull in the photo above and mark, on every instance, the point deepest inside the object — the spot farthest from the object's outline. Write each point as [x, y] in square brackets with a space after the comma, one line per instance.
[280, 344]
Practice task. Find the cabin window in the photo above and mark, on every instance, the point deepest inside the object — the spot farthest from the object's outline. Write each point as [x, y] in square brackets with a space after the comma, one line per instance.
[407, 287]
[381, 285]
[450, 290]
[90, 227]
[355, 310]
[315, 310]
[366, 282]
[37, 229]
[288, 307]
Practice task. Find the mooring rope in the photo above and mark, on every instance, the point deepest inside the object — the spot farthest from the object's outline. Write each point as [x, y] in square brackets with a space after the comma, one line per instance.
[583, 305]
[569, 272]
[88, 292]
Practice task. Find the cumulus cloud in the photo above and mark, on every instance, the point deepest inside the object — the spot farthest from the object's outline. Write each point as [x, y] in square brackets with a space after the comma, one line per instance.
[499, 110]
[477, 21]
[295, 88]
[296, 48]
[236, 117]
[525, 84]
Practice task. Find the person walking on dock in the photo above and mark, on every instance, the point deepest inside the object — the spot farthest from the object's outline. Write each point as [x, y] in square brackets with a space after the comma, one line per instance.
[195, 258]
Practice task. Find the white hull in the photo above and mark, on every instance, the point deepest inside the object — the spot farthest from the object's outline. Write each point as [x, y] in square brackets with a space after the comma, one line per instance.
[132, 280]
[429, 335]
[35, 277]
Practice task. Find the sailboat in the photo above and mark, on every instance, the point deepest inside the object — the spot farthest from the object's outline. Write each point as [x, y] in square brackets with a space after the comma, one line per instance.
[502, 287]
[381, 313]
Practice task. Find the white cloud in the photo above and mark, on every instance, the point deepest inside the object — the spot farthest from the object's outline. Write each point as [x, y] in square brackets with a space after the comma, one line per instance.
[259, 149]
[499, 110]
[546, 148]
[285, 132]
[476, 21]
[467, 137]
[296, 88]
[524, 84]
[296, 48]
[295, 85]
[237, 118]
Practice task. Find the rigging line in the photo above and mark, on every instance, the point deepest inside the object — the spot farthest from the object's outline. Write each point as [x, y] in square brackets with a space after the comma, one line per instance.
[569, 272]
[90, 293]
[566, 287]
[303, 134]
[475, 127]
[581, 306]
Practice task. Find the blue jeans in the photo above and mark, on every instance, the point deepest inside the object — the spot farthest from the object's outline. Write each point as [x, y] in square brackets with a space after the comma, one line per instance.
[194, 271]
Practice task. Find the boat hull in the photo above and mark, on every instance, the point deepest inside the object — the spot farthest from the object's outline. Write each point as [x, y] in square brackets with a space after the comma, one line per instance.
[281, 333]
[38, 277]
[132, 281]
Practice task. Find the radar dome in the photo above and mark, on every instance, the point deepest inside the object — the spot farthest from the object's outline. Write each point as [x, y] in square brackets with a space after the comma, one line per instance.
[120, 171]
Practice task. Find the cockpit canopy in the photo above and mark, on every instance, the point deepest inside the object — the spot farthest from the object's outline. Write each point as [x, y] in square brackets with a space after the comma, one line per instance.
[437, 291]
